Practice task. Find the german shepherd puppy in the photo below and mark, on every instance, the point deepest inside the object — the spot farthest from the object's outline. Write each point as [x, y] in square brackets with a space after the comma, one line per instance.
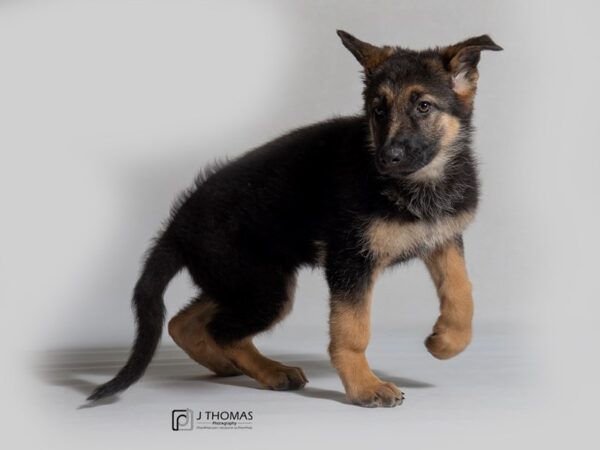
[354, 195]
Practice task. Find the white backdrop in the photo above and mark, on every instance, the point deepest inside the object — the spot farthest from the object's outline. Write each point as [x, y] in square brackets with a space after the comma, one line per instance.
[109, 108]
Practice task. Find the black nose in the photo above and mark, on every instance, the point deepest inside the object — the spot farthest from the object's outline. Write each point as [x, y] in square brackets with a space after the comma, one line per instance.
[393, 156]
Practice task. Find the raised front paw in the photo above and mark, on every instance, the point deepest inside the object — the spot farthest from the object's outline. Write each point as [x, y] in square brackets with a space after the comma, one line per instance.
[374, 394]
[447, 343]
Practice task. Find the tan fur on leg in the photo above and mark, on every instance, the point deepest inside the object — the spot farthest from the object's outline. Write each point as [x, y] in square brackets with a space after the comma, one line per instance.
[188, 330]
[452, 331]
[350, 333]
[269, 373]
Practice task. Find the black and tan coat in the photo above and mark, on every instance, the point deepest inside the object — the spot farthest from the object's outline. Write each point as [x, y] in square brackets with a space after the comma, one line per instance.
[354, 195]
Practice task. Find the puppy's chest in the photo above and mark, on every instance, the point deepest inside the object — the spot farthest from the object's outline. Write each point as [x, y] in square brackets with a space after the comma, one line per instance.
[388, 240]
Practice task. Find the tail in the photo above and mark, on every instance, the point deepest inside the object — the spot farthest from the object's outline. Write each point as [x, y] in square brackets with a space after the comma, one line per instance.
[162, 264]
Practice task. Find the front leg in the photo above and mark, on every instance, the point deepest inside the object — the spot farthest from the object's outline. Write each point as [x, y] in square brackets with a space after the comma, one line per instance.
[452, 330]
[351, 288]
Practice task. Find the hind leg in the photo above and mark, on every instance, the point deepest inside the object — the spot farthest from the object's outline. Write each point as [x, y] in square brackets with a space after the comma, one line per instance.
[235, 324]
[188, 330]
[269, 373]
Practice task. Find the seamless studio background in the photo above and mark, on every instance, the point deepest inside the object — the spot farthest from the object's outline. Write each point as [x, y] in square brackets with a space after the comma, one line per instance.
[109, 109]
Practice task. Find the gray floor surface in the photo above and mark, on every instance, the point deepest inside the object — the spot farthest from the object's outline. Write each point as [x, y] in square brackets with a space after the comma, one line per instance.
[488, 391]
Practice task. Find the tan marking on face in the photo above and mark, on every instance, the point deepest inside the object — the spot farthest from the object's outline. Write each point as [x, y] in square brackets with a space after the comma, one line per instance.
[399, 95]
[452, 330]
[388, 92]
[395, 125]
[407, 91]
[398, 99]
[389, 240]
[428, 98]
[449, 127]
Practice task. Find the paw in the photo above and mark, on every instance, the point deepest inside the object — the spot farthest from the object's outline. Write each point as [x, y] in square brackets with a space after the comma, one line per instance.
[285, 378]
[225, 369]
[448, 343]
[377, 394]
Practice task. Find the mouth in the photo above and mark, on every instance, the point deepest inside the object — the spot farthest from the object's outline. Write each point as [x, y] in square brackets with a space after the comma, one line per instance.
[404, 168]
[394, 171]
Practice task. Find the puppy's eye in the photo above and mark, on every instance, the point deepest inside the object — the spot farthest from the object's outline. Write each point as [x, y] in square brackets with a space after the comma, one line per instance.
[379, 111]
[423, 107]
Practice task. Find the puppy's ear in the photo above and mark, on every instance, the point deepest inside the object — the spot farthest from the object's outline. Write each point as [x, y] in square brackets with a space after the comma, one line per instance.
[369, 56]
[461, 61]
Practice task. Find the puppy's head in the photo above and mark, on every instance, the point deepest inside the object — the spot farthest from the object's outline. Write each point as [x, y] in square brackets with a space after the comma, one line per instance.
[417, 103]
